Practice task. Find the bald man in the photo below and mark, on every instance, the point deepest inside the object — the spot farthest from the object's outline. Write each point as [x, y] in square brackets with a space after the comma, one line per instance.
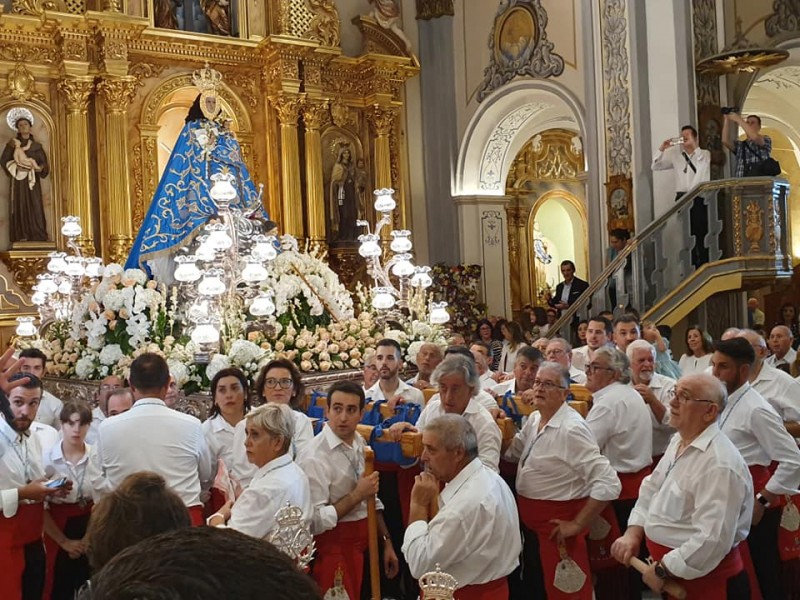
[780, 342]
[428, 358]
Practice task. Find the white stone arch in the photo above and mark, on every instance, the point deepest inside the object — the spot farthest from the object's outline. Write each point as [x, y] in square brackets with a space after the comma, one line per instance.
[501, 126]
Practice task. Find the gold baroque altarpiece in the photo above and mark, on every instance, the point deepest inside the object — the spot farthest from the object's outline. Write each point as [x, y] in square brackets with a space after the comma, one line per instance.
[100, 75]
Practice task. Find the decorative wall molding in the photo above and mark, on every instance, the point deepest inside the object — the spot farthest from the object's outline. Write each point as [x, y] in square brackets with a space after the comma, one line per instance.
[785, 17]
[616, 86]
[519, 46]
[704, 15]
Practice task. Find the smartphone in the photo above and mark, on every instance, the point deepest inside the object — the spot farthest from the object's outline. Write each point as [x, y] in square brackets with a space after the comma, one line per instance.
[56, 483]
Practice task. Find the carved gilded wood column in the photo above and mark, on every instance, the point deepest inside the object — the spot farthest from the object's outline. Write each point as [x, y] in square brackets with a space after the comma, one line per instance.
[383, 120]
[288, 108]
[117, 225]
[315, 114]
[76, 92]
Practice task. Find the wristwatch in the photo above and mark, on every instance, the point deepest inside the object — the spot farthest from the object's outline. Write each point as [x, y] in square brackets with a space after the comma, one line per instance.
[762, 500]
[660, 571]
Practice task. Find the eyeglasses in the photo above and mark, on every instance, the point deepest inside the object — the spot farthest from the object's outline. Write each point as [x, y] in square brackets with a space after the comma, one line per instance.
[110, 386]
[684, 397]
[273, 383]
[555, 352]
[548, 385]
[595, 367]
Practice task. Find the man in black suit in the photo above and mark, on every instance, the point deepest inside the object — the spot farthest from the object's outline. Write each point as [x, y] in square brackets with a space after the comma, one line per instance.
[569, 290]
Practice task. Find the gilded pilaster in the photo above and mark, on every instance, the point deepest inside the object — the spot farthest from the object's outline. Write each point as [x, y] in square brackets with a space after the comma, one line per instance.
[76, 92]
[383, 119]
[315, 115]
[288, 108]
[117, 225]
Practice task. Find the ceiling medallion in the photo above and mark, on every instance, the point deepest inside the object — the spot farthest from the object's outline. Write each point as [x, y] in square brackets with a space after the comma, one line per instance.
[742, 56]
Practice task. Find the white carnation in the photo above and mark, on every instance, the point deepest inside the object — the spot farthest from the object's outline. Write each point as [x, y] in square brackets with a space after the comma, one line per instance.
[85, 367]
[179, 371]
[413, 350]
[111, 354]
[218, 362]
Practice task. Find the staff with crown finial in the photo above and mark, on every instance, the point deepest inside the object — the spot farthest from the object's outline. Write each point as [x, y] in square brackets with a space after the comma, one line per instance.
[278, 481]
[25, 161]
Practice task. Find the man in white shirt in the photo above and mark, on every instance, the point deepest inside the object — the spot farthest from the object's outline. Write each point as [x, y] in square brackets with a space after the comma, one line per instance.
[475, 534]
[757, 431]
[29, 407]
[334, 463]
[22, 489]
[654, 389]
[599, 333]
[563, 482]
[428, 358]
[481, 353]
[696, 507]
[780, 342]
[559, 351]
[153, 437]
[100, 412]
[525, 368]
[621, 425]
[34, 361]
[389, 387]
[777, 387]
[626, 330]
[369, 371]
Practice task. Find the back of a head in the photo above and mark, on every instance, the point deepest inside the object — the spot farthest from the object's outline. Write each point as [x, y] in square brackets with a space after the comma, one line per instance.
[149, 372]
[202, 563]
[739, 349]
[141, 507]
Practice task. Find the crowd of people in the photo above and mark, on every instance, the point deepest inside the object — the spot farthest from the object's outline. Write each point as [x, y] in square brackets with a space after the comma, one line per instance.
[693, 463]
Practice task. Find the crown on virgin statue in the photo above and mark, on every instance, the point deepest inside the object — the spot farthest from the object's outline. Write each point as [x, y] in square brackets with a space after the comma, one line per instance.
[206, 79]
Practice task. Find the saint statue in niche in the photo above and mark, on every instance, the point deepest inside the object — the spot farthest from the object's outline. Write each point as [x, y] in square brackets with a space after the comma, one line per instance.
[26, 163]
[164, 14]
[218, 13]
[343, 201]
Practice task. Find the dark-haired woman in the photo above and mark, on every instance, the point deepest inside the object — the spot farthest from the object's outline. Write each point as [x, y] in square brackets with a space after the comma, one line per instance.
[279, 382]
[699, 349]
[229, 394]
[484, 332]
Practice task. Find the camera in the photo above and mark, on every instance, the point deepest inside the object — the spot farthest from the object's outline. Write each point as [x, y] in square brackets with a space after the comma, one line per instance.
[726, 110]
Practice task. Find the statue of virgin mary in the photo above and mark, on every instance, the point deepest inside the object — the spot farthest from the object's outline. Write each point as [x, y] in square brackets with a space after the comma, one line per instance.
[182, 204]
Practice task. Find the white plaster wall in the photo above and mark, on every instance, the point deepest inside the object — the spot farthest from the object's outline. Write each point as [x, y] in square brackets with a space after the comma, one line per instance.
[351, 36]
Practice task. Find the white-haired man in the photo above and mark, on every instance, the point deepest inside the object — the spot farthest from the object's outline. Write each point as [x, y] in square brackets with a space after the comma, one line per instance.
[475, 534]
[654, 389]
[780, 342]
[559, 351]
[428, 358]
[695, 508]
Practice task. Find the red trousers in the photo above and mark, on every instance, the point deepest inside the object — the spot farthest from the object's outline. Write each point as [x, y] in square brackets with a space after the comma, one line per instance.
[340, 557]
[536, 516]
[713, 586]
[493, 590]
[15, 533]
[61, 513]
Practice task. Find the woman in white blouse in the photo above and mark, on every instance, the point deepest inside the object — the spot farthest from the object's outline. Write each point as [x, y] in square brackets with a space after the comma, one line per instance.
[280, 383]
[513, 340]
[278, 480]
[698, 358]
[229, 394]
[66, 518]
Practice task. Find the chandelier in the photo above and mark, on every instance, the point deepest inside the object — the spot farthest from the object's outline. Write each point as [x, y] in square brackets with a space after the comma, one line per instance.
[398, 285]
[221, 273]
[741, 56]
[61, 287]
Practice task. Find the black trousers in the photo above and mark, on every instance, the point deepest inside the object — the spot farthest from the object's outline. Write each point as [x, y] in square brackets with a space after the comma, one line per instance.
[33, 575]
[698, 227]
[763, 542]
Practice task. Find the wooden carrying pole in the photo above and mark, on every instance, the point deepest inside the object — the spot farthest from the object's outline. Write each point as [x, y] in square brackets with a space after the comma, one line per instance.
[372, 531]
[670, 587]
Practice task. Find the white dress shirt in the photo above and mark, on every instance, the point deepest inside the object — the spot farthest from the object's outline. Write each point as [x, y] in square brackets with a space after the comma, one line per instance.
[486, 380]
[580, 357]
[576, 375]
[788, 358]
[757, 431]
[685, 178]
[487, 431]
[274, 485]
[694, 365]
[153, 437]
[49, 411]
[621, 425]
[333, 469]
[79, 474]
[20, 463]
[475, 535]
[562, 461]
[243, 470]
[97, 419]
[409, 393]
[781, 390]
[219, 439]
[484, 398]
[47, 436]
[661, 385]
[502, 388]
[700, 504]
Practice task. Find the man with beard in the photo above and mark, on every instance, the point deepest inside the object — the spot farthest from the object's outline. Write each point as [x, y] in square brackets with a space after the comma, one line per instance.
[598, 334]
[428, 358]
[389, 360]
[22, 487]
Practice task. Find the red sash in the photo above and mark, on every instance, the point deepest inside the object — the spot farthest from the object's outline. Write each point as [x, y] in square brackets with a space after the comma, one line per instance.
[713, 586]
[196, 515]
[493, 590]
[631, 482]
[15, 533]
[340, 557]
[536, 516]
[600, 550]
[60, 513]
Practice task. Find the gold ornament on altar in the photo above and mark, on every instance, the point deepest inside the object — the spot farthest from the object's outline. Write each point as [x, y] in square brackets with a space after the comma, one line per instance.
[292, 537]
[437, 585]
[206, 80]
